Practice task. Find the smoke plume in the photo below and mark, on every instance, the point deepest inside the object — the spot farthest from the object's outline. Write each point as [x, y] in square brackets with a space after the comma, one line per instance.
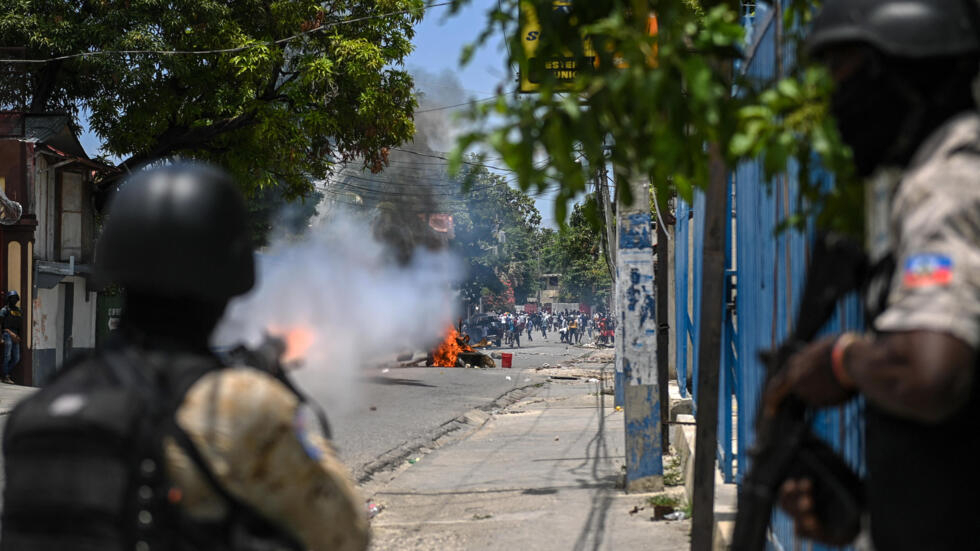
[340, 288]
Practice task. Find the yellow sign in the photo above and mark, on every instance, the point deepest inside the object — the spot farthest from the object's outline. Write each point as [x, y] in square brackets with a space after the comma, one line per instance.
[562, 69]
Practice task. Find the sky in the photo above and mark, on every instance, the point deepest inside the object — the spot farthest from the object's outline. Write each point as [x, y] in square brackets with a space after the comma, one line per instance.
[439, 41]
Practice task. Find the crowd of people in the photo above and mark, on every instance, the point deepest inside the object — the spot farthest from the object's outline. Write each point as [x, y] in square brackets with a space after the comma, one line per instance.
[572, 327]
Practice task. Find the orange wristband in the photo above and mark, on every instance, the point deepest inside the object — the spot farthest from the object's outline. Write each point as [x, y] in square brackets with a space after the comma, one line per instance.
[841, 345]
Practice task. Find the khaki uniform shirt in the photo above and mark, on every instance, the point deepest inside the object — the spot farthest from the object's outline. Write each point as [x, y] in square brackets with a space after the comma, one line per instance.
[266, 451]
[933, 231]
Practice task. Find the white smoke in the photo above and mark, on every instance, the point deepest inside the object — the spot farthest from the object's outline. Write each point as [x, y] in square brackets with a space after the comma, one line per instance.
[339, 283]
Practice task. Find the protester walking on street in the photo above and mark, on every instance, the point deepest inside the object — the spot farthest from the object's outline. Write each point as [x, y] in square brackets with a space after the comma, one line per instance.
[904, 74]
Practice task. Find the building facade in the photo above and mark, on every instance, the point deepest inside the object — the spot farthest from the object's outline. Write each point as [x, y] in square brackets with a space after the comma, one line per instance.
[47, 253]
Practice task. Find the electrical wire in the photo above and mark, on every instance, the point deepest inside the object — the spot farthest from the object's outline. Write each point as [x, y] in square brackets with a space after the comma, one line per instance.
[224, 50]
[447, 158]
[443, 108]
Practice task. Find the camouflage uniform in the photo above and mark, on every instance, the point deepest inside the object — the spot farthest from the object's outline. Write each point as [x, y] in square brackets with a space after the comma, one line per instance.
[925, 244]
[260, 444]
[932, 232]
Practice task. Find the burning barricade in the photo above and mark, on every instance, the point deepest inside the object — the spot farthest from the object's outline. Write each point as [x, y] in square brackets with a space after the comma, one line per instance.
[455, 351]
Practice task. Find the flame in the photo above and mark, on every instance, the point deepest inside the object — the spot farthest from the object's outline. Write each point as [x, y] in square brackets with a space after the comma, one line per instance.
[298, 342]
[446, 354]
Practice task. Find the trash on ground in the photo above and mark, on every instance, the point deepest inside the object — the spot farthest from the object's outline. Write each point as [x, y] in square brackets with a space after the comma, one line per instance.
[414, 460]
[373, 408]
[482, 516]
[556, 439]
[374, 509]
[636, 509]
[676, 515]
[546, 365]
[507, 377]
[385, 370]
[619, 408]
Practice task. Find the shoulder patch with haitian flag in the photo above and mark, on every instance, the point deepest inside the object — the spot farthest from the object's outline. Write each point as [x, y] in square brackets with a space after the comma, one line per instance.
[927, 270]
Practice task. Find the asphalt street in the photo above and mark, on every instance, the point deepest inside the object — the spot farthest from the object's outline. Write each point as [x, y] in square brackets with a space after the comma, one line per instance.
[409, 403]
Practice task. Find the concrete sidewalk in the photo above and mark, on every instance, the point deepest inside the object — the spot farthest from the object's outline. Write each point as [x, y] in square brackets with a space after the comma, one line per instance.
[545, 473]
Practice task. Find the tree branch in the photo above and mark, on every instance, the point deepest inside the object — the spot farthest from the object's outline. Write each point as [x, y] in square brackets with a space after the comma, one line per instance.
[183, 137]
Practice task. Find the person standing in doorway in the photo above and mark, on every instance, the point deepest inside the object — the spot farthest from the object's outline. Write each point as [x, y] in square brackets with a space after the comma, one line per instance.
[12, 326]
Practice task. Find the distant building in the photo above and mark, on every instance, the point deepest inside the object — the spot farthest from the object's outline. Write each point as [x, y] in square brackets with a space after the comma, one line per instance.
[550, 290]
[46, 252]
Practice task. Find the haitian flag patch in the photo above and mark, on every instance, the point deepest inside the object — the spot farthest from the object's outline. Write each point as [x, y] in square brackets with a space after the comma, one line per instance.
[927, 270]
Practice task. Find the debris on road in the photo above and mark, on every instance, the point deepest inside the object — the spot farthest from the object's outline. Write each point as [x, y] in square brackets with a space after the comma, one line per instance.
[373, 408]
[676, 515]
[374, 509]
[414, 460]
[482, 516]
[636, 509]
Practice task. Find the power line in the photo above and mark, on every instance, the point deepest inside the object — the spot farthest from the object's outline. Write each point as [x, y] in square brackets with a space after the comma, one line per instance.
[224, 50]
[447, 158]
[459, 104]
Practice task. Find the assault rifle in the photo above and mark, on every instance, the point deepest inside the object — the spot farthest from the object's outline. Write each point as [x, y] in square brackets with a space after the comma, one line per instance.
[267, 356]
[785, 447]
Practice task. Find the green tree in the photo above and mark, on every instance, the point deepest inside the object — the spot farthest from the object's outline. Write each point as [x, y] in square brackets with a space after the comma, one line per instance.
[296, 86]
[497, 236]
[576, 253]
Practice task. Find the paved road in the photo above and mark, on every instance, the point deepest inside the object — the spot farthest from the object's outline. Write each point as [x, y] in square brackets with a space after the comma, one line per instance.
[412, 402]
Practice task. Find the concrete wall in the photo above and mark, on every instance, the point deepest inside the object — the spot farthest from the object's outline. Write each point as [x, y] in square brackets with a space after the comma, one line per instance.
[50, 327]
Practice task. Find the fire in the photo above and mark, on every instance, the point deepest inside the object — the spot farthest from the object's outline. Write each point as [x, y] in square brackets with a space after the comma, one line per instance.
[446, 354]
[298, 342]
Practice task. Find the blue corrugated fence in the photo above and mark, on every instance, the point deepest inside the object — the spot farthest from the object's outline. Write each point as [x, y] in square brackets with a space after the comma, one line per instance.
[763, 280]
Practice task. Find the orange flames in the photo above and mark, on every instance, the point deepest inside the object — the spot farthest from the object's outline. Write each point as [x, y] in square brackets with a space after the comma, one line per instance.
[448, 351]
[298, 342]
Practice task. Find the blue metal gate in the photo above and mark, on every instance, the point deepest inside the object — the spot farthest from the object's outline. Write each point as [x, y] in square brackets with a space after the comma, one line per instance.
[764, 277]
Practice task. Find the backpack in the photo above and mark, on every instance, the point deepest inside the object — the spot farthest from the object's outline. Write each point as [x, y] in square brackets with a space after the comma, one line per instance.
[86, 468]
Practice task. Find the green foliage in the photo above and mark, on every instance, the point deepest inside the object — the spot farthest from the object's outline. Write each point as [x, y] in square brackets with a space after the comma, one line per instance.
[657, 102]
[664, 500]
[791, 121]
[277, 114]
[576, 253]
[497, 238]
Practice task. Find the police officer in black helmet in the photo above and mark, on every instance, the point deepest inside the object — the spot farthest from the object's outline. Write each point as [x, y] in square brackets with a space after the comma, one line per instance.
[154, 443]
[905, 73]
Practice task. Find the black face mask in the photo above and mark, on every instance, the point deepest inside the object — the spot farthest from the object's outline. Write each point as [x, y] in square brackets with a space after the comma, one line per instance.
[871, 112]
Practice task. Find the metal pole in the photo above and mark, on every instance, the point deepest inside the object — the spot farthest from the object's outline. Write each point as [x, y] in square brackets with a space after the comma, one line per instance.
[637, 342]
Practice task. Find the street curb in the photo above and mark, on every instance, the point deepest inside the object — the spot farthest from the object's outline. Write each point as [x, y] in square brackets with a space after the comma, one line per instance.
[725, 504]
[472, 419]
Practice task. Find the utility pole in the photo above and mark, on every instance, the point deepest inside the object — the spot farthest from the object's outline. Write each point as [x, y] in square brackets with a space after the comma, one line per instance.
[636, 344]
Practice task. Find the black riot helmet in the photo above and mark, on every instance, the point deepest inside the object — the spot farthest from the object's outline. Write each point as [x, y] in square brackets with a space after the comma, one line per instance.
[902, 67]
[178, 231]
[901, 28]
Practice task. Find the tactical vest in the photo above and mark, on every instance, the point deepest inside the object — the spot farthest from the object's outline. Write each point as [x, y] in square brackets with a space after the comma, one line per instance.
[85, 463]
